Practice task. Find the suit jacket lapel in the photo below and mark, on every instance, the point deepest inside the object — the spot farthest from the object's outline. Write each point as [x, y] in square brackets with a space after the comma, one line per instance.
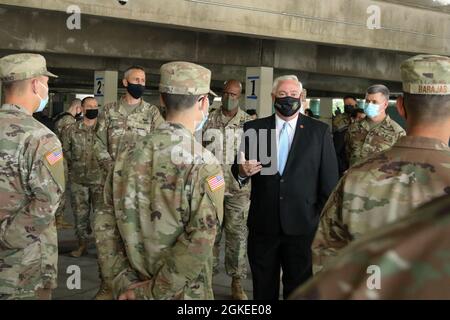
[299, 144]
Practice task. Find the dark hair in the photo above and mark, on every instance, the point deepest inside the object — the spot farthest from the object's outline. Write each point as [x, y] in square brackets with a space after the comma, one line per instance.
[85, 99]
[422, 108]
[251, 112]
[379, 88]
[179, 102]
[309, 113]
[349, 97]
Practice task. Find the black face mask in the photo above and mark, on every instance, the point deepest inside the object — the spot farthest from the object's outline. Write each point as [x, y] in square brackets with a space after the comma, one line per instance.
[135, 90]
[348, 108]
[91, 114]
[79, 116]
[287, 106]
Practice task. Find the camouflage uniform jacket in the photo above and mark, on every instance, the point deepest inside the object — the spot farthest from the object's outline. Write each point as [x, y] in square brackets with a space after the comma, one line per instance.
[382, 190]
[31, 185]
[78, 145]
[62, 122]
[115, 125]
[220, 131]
[412, 255]
[341, 122]
[167, 210]
[363, 140]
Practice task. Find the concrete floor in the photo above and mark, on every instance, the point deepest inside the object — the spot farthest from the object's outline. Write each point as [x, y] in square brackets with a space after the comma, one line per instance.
[89, 270]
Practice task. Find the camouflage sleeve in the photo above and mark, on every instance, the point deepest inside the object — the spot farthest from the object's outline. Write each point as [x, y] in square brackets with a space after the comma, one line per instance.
[157, 118]
[101, 142]
[332, 234]
[347, 142]
[187, 258]
[63, 122]
[112, 256]
[43, 164]
[66, 142]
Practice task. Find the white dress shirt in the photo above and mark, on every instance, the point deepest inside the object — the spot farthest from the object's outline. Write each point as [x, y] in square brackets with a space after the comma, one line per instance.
[292, 125]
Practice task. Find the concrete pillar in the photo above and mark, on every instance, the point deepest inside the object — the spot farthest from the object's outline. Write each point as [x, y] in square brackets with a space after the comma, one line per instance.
[258, 89]
[105, 87]
[326, 110]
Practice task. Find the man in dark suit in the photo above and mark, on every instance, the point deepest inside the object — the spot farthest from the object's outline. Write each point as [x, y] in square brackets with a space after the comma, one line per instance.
[293, 170]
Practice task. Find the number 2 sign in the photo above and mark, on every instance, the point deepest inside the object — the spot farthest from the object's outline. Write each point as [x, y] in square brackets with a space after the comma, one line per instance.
[99, 87]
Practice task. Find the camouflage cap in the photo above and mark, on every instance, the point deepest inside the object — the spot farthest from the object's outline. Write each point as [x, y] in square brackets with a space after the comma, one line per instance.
[426, 74]
[16, 67]
[185, 78]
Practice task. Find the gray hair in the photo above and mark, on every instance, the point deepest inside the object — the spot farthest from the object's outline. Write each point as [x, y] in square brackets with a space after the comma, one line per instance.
[130, 69]
[379, 88]
[278, 80]
[75, 101]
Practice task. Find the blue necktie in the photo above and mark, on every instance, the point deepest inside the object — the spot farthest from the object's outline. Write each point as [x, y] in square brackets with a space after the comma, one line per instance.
[283, 148]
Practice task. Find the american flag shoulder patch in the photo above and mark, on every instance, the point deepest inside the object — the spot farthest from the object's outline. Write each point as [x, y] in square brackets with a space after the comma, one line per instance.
[215, 182]
[54, 156]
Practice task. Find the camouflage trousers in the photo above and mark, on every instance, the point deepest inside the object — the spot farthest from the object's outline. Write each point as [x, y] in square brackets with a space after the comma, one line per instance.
[85, 199]
[110, 249]
[235, 228]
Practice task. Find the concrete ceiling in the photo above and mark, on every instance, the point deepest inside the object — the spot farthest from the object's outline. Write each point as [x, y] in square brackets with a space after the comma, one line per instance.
[436, 5]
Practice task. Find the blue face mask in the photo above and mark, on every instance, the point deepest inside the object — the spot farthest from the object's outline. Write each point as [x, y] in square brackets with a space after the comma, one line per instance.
[202, 123]
[43, 102]
[371, 110]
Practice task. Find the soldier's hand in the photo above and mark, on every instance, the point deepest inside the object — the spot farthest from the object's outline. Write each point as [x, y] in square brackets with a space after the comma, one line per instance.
[248, 168]
[129, 294]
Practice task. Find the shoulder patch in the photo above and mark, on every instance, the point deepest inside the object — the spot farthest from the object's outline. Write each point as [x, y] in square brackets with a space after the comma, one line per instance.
[216, 182]
[54, 156]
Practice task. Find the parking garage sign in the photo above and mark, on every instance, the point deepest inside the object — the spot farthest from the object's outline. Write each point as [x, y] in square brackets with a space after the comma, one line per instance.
[252, 91]
[99, 86]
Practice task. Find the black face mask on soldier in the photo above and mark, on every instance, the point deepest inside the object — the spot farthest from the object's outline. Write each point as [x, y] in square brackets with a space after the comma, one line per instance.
[348, 108]
[79, 116]
[91, 114]
[135, 90]
[287, 106]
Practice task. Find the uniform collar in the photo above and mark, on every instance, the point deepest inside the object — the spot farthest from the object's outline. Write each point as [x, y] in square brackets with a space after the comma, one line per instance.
[83, 126]
[15, 107]
[236, 119]
[122, 107]
[421, 143]
[175, 126]
[368, 125]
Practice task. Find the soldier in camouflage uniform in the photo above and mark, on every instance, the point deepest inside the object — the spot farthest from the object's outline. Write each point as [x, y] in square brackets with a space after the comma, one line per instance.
[62, 121]
[412, 254]
[376, 132]
[119, 123]
[390, 184]
[168, 197]
[86, 176]
[221, 136]
[343, 120]
[31, 182]
[65, 119]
